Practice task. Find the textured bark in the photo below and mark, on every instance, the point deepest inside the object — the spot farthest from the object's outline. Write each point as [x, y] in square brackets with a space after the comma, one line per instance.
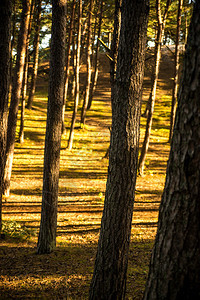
[48, 225]
[76, 96]
[5, 35]
[96, 59]
[109, 278]
[67, 64]
[176, 70]
[154, 78]
[89, 67]
[16, 91]
[35, 55]
[175, 266]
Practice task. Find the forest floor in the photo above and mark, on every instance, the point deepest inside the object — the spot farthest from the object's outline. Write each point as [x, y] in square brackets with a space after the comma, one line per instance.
[67, 272]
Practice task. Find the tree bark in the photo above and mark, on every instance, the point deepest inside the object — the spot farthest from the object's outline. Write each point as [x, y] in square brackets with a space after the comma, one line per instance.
[176, 70]
[76, 96]
[5, 36]
[48, 225]
[16, 91]
[89, 67]
[35, 54]
[175, 266]
[152, 97]
[109, 278]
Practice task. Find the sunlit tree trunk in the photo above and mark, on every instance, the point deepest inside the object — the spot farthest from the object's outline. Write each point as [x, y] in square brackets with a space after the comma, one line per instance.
[5, 36]
[175, 265]
[16, 91]
[48, 225]
[76, 96]
[89, 67]
[25, 77]
[152, 97]
[176, 70]
[67, 64]
[109, 278]
[96, 59]
[35, 54]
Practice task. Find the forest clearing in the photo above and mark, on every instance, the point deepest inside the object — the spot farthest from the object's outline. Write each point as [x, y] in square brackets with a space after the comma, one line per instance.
[66, 273]
[100, 149]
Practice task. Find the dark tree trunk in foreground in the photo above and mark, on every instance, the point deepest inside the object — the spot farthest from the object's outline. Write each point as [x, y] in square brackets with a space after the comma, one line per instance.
[5, 35]
[109, 278]
[16, 91]
[48, 225]
[176, 70]
[175, 265]
[35, 54]
[76, 96]
[154, 79]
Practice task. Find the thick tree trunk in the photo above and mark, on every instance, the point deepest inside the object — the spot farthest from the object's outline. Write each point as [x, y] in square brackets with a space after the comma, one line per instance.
[5, 36]
[67, 64]
[96, 59]
[76, 96]
[109, 278]
[48, 225]
[16, 91]
[25, 77]
[152, 97]
[175, 265]
[35, 55]
[176, 70]
[89, 67]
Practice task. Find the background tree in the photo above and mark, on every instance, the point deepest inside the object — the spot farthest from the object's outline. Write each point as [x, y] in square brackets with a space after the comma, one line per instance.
[16, 91]
[176, 69]
[109, 278]
[161, 21]
[175, 267]
[5, 36]
[48, 225]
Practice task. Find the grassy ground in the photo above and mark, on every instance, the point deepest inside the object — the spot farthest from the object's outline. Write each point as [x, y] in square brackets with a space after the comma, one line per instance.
[66, 273]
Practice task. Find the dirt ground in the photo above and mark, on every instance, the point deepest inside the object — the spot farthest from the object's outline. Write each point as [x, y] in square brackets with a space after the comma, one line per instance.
[67, 272]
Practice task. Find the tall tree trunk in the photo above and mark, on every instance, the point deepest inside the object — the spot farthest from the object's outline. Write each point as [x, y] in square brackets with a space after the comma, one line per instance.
[176, 70]
[67, 64]
[48, 225]
[109, 278]
[76, 96]
[13, 34]
[16, 91]
[25, 77]
[152, 97]
[89, 67]
[175, 266]
[5, 36]
[96, 59]
[35, 54]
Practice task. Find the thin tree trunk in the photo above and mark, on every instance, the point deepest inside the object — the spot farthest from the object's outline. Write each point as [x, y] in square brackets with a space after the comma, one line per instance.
[35, 55]
[176, 70]
[16, 91]
[152, 97]
[89, 68]
[175, 265]
[13, 34]
[76, 96]
[25, 77]
[96, 60]
[67, 64]
[5, 36]
[48, 225]
[109, 278]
